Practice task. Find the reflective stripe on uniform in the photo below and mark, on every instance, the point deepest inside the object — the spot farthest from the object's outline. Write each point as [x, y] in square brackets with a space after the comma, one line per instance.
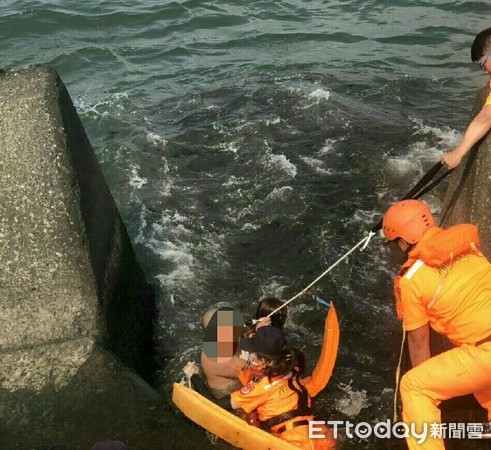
[414, 268]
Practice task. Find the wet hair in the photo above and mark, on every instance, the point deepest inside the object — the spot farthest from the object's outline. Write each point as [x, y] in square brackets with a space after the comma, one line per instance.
[267, 306]
[205, 319]
[481, 44]
[290, 359]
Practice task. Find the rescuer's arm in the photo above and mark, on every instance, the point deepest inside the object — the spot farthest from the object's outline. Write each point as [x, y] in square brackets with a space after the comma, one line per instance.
[476, 130]
[419, 344]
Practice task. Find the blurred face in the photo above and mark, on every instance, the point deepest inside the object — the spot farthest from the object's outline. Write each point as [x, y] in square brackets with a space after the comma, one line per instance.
[222, 335]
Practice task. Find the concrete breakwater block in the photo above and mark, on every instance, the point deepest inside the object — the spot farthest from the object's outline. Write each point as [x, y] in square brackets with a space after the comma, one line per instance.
[76, 312]
[468, 198]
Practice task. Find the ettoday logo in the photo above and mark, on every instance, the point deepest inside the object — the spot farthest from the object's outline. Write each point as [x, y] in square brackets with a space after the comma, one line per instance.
[363, 430]
[399, 430]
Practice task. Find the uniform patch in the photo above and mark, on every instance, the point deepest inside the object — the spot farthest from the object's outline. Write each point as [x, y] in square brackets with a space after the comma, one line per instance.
[282, 391]
[247, 388]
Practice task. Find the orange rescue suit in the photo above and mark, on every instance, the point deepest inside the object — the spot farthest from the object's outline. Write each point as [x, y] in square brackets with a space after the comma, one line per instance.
[446, 282]
[274, 397]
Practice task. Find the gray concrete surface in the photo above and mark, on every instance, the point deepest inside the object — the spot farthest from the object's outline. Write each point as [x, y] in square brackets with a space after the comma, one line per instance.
[76, 313]
[468, 198]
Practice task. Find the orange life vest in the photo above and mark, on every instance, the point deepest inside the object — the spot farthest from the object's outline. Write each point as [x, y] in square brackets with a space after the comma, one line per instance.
[446, 281]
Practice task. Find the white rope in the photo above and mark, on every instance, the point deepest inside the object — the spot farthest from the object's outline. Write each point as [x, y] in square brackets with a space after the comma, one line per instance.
[370, 236]
[398, 373]
[365, 241]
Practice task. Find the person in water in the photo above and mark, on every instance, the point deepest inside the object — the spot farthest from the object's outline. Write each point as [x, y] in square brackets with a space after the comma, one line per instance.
[219, 360]
[445, 283]
[277, 391]
[481, 124]
[265, 307]
[268, 305]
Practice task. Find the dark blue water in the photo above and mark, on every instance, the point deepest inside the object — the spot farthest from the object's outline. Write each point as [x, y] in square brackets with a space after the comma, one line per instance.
[248, 145]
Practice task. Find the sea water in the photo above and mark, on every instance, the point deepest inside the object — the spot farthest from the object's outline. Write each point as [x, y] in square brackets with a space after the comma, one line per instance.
[248, 145]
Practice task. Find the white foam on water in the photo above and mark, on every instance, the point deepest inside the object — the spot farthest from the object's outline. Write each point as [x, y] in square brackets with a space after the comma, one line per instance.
[156, 139]
[294, 90]
[275, 198]
[283, 163]
[140, 237]
[424, 151]
[328, 148]
[368, 217]
[279, 193]
[400, 166]
[354, 402]
[247, 211]
[421, 156]
[179, 255]
[319, 95]
[273, 288]
[186, 264]
[316, 164]
[213, 108]
[250, 227]
[113, 104]
[274, 121]
[283, 78]
[448, 137]
[179, 218]
[165, 187]
[229, 147]
[232, 182]
[182, 260]
[435, 142]
[309, 93]
[136, 180]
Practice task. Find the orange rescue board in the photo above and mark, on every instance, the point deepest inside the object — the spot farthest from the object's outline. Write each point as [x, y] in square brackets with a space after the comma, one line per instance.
[223, 424]
[329, 352]
[236, 431]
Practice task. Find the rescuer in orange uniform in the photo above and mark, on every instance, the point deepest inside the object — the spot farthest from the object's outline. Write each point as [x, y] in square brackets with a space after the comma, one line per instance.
[446, 284]
[277, 389]
[278, 392]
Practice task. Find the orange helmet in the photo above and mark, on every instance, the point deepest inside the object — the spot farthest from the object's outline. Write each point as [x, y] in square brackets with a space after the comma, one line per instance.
[408, 220]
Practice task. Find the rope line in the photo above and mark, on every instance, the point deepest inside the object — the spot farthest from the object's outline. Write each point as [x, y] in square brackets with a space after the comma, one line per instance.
[421, 187]
[398, 373]
[365, 240]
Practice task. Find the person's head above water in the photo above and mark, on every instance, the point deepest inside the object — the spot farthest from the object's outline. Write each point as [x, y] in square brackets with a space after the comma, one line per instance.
[267, 306]
[268, 340]
[223, 327]
[205, 318]
[481, 47]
